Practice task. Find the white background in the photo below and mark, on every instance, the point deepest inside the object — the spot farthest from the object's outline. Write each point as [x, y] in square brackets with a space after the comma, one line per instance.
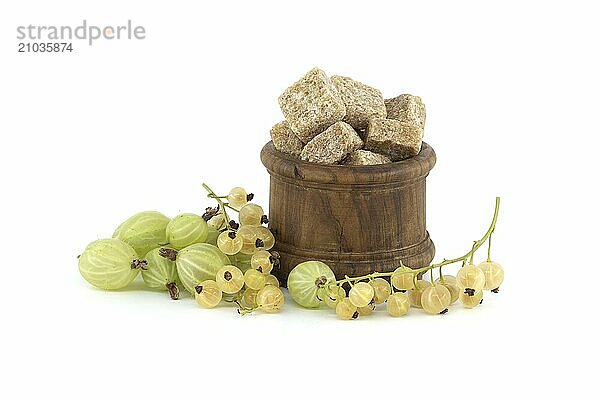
[90, 137]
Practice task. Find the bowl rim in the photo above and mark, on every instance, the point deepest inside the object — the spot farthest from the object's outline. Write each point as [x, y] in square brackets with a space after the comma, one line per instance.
[287, 166]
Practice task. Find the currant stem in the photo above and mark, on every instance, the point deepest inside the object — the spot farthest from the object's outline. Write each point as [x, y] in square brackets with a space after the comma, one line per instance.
[245, 311]
[472, 252]
[476, 245]
[233, 208]
[360, 278]
[348, 280]
[489, 247]
[223, 205]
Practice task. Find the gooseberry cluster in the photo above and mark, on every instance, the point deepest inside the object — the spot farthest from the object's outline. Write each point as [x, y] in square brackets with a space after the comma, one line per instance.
[212, 256]
[313, 283]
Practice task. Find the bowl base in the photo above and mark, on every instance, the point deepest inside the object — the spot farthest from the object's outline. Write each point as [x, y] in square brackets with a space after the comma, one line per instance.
[356, 264]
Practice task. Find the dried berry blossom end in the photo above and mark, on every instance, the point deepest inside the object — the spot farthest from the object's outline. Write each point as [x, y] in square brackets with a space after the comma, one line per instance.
[139, 264]
[173, 290]
[210, 212]
[169, 254]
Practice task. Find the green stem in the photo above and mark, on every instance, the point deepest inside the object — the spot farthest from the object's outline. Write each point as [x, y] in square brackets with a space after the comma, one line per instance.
[476, 245]
[472, 253]
[247, 310]
[359, 278]
[223, 205]
[241, 309]
[348, 280]
[489, 247]
[233, 208]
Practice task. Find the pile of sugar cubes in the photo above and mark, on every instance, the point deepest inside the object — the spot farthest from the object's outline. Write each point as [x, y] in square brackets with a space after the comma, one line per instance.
[339, 120]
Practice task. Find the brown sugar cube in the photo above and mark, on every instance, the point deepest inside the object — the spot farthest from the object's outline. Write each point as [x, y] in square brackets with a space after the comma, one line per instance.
[285, 140]
[406, 108]
[365, 157]
[393, 138]
[333, 145]
[362, 102]
[311, 105]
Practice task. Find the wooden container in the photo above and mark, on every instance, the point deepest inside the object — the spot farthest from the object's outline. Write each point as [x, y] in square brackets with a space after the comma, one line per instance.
[356, 219]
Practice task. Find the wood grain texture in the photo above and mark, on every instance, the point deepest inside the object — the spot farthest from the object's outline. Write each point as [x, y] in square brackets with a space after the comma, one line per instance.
[356, 219]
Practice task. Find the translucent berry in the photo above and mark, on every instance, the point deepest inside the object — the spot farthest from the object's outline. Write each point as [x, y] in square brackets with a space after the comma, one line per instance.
[261, 260]
[254, 279]
[271, 280]
[403, 278]
[306, 279]
[346, 310]
[331, 295]
[470, 301]
[251, 214]
[414, 295]
[366, 310]
[109, 264]
[450, 283]
[361, 294]
[470, 277]
[161, 273]
[237, 197]
[248, 236]
[230, 279]
[208, 294]
[270, 299]
[264, 238]
[143, 231]
[435, 299]
[185, 230]
[229, 243]
[381, 289]
[397, 304]
[249, 298]
[494, 274]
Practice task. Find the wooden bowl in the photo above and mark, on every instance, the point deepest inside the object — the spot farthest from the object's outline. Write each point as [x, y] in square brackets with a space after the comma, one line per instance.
[356, 219]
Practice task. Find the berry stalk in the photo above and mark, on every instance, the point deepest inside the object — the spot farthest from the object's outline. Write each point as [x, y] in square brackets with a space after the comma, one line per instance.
[223, 205]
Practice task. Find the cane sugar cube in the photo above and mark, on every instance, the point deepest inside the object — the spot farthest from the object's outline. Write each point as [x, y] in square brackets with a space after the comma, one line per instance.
[285, 140]
[406, 108]
[333, 145]
[312, 105]
[365, 157]
[393, 138]
[362, 102]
